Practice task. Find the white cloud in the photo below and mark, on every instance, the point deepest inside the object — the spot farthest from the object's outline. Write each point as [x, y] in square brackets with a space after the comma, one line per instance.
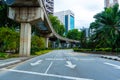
[84, 10]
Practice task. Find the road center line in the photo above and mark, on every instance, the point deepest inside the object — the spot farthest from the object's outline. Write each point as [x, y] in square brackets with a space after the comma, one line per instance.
[48, 67]
[44, 74]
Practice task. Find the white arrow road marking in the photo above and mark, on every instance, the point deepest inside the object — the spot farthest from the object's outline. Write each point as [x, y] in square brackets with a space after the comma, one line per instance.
[70, 65]
[47, 75]
[115, 66]
[36, 63]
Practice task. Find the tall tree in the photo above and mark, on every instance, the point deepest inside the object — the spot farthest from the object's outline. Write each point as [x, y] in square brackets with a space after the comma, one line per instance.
[4, 20]
[107, 27]
[74, 34]
[57, 25]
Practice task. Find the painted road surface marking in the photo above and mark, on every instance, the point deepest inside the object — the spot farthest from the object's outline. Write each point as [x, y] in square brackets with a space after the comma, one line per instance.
[36, 63]
[70, 65]
[83, 59]
[63, 59]
[49, 67]
[48, 75]
[7, 63]
[53, 59]
[115, 66]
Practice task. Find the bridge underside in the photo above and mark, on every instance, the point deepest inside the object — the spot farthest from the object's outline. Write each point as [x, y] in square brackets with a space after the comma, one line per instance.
[32, 12]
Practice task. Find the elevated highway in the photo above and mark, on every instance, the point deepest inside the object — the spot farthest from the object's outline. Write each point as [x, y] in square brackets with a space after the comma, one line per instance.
[28, 13]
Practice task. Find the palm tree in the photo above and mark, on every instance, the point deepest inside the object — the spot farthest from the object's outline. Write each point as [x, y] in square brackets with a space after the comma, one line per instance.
[107, 27]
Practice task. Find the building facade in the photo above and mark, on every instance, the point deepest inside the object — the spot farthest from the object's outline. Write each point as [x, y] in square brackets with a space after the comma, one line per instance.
[110, 3]
[87, 32]
[49, 5]
[67, 18]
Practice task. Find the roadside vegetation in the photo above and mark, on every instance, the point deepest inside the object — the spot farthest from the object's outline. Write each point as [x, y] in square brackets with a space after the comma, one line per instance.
[10, 37]
[104, 38]
[105, 35]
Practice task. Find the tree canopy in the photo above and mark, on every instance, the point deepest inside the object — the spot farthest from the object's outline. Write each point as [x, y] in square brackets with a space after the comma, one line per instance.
[106, 28]
[57, 25]
[9, 39]
[74, 34]
[4, 20]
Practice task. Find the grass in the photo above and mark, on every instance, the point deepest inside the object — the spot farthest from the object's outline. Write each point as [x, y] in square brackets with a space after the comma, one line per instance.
[3, 55]
[8, 55]
[42, 52]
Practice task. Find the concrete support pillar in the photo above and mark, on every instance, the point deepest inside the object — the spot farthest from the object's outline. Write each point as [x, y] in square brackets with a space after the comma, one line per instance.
[59, 45]
[25, 39]
[54, 44]
[46, 42]
[62, 45]
[68, 45]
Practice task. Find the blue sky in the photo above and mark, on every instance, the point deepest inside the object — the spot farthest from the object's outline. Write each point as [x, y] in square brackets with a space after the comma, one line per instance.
[84, 10]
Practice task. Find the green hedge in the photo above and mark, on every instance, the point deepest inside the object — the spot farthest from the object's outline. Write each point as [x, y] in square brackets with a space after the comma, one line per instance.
[3, 55]
[82, 50]
[97, 50]
[42, 52]
[104, 49]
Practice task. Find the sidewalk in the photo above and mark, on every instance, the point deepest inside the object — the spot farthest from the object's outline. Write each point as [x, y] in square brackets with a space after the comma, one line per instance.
[12, 61]
[116, 58]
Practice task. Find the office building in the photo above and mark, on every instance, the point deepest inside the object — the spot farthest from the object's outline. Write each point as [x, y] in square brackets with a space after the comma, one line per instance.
[87, 32]
[67, 18]
[110, 3]
[49, 5]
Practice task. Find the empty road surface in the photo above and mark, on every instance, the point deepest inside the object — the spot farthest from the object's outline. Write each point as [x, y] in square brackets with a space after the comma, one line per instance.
[64, 65]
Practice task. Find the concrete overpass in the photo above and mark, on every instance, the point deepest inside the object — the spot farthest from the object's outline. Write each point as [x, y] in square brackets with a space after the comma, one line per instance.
[28, 13]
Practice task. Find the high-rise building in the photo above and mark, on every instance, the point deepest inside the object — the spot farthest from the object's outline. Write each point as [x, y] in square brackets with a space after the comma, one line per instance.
[49, 5]
[67, 18]
[87, 32]
[110, 3]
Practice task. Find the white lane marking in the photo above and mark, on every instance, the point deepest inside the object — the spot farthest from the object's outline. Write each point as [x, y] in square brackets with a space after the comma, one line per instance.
[48, 75]
[7, 63]
[52, 59]
[84, 59]
[70, 65]
[115, 66]
[36, 63]
[48, 67]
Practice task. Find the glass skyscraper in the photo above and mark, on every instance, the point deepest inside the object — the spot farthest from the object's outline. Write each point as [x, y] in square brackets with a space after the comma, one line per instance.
[72, 22]
[67, 18]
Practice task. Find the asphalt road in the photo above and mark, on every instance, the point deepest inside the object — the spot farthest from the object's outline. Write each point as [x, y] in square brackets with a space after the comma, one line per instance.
[64, 65]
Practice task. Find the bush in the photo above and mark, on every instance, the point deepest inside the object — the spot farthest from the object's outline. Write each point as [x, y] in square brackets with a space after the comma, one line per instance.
[95, 50]
[82, 50]
[3, 55]
[117, 49]
[34, 49]
[104, 49]
[9, 39]
[42, 52]
[38, 43]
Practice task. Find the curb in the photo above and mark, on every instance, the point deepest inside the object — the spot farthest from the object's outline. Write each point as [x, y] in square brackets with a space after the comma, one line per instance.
[13, 62]
[111, 58]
